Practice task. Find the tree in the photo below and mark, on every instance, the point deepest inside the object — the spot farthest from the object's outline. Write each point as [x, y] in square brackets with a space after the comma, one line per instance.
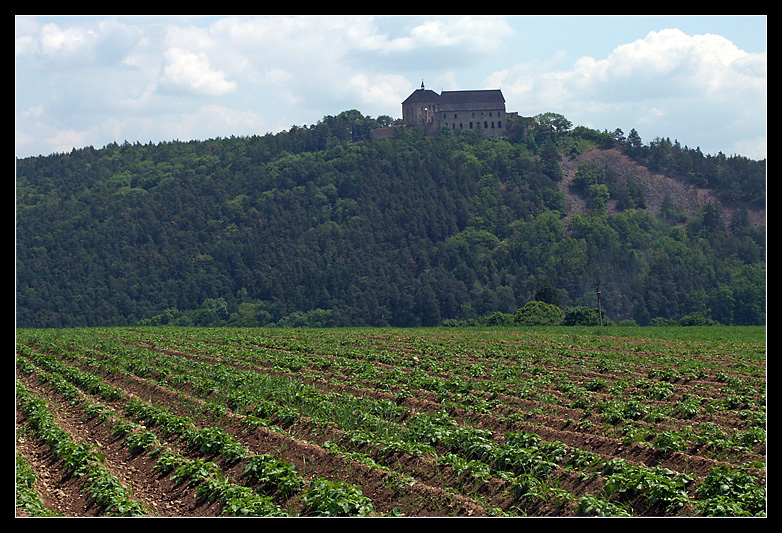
[385, 121]
[550, 157]
[597, 197]
[408, 230]
[721, 302]
[547, 294]
[633, 139]
[553, 122]
[588, 174]
[749, 291]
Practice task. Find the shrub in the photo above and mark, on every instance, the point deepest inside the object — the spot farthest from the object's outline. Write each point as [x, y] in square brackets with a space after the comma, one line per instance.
[497, 319]
[581, 316]
[539, 314]
[697, 319]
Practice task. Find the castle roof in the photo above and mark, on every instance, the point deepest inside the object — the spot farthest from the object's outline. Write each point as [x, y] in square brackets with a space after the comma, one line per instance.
[455, 100]
[422, 95]
[483, 99]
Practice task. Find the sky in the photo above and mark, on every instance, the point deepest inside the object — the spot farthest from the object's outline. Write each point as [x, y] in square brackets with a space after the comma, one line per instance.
[94, 80]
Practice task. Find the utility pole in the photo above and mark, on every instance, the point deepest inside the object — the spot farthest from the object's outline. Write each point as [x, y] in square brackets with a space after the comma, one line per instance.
[599, 310]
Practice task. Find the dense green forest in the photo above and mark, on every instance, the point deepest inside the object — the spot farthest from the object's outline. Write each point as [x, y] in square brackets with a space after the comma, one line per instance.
[320, 226]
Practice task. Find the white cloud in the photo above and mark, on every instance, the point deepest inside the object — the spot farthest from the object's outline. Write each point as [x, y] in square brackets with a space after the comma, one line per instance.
[484, 33]
[206, 122]
[668, 82]
[192, 72]
[670, 61]
[57, 48]
[137, 78]
[68, 42]
[467, 33]
[66, 140]
[380, 92]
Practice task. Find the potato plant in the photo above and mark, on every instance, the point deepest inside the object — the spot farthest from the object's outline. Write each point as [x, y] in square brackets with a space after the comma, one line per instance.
[451, 422]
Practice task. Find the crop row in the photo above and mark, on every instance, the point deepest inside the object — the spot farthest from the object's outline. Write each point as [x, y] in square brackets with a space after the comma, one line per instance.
[463, 414]
[267, 474]
[77, 458]
[659, 408]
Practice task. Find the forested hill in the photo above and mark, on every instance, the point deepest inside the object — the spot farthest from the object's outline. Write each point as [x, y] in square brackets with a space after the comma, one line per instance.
[320, 226]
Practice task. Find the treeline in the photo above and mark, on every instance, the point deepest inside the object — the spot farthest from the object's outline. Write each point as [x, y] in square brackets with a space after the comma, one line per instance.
[317, 226]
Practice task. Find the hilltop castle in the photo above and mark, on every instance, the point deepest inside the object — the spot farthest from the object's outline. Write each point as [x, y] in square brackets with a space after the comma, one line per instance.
[482, 110]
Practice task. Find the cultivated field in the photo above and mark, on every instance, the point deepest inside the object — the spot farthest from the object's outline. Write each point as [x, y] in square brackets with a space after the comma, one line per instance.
[391, 422]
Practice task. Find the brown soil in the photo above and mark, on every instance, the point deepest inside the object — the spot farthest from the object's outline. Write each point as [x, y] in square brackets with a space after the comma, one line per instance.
[432, 489]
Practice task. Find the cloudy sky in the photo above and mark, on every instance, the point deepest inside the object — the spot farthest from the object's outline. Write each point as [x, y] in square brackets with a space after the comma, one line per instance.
[89, 81]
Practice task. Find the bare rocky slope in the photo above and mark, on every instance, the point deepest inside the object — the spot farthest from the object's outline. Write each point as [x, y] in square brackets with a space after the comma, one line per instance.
[655, 186]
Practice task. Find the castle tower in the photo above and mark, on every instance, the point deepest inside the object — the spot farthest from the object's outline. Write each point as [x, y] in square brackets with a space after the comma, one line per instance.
[420, 107]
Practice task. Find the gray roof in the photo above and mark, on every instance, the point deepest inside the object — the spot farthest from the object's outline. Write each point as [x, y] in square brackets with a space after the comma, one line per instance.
[484, 99]
[455, 100]
[422, 95]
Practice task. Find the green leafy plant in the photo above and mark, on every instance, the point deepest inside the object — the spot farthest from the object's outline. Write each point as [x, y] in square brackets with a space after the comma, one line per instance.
[27, 499]
[107, 492]
[251, 504]
[336, 498]
[273, 474]
[669, 441]
[593, 506]
[661, 487]
[731, 492]
[215, 440]
[195, 471]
